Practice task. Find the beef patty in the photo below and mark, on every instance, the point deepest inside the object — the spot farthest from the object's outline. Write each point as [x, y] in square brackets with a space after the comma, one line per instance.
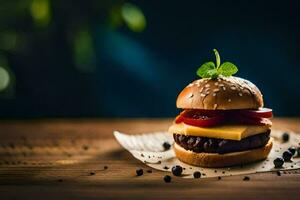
[221, 146]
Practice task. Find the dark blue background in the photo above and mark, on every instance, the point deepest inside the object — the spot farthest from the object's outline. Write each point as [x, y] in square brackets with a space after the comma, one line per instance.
[141, 74]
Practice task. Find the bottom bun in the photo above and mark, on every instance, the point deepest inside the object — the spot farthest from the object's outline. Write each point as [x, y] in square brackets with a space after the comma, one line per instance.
[223, 160]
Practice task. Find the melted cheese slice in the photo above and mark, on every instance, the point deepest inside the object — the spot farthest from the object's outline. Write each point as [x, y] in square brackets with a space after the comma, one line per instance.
[230, 132]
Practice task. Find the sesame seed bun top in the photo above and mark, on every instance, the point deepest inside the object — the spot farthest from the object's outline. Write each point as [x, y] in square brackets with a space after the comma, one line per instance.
[223, 93]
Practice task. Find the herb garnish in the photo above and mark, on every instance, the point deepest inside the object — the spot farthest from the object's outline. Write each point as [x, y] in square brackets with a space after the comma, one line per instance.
[212, 70]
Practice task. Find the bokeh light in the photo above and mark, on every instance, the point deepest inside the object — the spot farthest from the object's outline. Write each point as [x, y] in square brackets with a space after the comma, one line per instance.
[40, 11]
[133, 17]
[4, 78]
[83, 54]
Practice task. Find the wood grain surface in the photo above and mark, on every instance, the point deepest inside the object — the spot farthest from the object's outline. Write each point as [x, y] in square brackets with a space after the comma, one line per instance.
[80, 159]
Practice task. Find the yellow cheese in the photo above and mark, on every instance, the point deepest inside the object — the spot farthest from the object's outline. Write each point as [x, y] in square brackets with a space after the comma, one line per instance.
[231, 132]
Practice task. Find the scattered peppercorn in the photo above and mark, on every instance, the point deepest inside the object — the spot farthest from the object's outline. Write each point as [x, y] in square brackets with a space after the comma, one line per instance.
[60, 180]
[287, 155]
[278, 162]
[285, 137]
[197, 174]
[149, 171]
[105, 167]
[177, 170]
[85, 147]
[139, 172]
[292, 150]
[166, 167]
[219, 178]
[246, 178]
[167, 178]
[166, 145]
[298, 151]
[278, 173]
[92, 173]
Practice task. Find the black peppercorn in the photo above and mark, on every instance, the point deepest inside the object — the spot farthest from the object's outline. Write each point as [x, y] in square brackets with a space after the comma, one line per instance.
[285, 137]
[177, 170]
[298, 151]
[287, 155]
[278, 162]
[166, 145]
[85, 147]
[246, 178]
[292, 150]
[139, 172]
[167, 178]
[197, 174]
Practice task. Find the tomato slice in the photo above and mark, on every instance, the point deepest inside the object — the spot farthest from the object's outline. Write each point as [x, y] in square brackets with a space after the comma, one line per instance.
[198, 118]
[255, 121]
[260, 113]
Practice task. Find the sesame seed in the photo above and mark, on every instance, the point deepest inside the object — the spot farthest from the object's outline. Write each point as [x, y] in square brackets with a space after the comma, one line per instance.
[216, 90]
[215, 106]
[221, 85]
[216, 83]
[207, 85]
[233, 88]
[224, 88]
[214, 94]
[240, 94]
[202, 95]
[229, 100]
[191, 95]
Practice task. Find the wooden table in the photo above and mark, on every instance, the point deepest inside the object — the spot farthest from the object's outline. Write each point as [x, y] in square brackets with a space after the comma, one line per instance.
[66, 159]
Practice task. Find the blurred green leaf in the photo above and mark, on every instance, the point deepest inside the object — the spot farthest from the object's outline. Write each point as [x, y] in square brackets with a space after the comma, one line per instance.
[40, 11]
[133, 17]
[83, 52]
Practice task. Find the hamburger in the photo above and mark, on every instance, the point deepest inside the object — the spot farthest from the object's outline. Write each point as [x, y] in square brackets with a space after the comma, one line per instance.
[223, 122]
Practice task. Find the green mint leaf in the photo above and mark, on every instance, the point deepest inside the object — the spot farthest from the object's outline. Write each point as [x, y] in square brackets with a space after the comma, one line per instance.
[227, 69]
[213, 73]
[204, 70]
[212, 70]
[218, 59]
